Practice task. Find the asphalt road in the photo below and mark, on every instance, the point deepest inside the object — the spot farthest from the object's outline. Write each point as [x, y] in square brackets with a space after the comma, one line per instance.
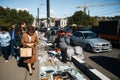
[107, 62]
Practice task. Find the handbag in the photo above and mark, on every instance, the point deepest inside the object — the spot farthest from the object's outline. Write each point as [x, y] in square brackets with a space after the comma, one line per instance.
[70, 51]
[25, 52]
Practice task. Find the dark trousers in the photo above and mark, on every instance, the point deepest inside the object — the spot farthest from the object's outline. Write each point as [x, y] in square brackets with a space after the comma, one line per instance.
[12, 48]
[0, 51]
[17, 52]
[5, 52]
[64, 55]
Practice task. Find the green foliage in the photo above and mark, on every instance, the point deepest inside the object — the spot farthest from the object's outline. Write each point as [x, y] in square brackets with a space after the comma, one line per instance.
[8, 16]
[116, 17]
[80, 18]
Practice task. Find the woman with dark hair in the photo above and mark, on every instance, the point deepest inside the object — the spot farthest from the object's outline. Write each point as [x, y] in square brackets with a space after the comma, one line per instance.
[17, 44]
[30, 39]
[19, 31]
[23, 27]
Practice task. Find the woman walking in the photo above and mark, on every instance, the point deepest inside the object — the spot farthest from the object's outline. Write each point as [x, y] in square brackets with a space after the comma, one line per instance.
[30, 39]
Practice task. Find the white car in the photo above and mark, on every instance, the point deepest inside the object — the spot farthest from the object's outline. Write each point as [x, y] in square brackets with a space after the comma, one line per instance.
[90, 41]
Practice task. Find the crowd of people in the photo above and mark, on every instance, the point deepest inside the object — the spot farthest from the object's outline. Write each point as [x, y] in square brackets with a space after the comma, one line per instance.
[21, 36]
[17, 37]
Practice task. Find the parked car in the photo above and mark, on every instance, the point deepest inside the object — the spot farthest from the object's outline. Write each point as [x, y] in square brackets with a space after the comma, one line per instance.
[83, 29]
[90, 41]
[67, 29]
[43, 29]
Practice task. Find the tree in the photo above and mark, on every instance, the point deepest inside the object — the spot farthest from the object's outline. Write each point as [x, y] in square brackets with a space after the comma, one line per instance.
[116, 17]
[25, 16]
[93, 22]
[80, 18]
[8, 16]
[77, 18]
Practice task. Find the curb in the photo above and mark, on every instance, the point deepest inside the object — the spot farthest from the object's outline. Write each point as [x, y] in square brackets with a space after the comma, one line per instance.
[92, 73]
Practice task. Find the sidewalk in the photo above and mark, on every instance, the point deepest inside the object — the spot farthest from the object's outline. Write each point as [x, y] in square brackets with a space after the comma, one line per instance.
[13, 70]
[16, 71]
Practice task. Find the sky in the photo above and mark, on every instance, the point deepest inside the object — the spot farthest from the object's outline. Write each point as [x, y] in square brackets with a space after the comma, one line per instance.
[65, 8]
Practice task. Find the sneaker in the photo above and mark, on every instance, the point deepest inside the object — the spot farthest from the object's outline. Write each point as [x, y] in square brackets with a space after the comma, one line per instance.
[6, 60]
[18, 58]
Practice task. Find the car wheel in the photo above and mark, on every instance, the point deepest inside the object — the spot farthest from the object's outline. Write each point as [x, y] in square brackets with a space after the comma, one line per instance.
[88, 48]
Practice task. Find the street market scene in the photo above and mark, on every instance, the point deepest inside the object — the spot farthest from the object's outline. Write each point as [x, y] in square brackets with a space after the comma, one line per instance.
[50, 40]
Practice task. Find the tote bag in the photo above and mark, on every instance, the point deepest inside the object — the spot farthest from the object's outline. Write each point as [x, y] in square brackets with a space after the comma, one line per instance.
[25, 52]
[70, 51]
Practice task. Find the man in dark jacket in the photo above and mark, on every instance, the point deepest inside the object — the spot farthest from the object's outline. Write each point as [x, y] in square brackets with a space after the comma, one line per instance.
[12, 34]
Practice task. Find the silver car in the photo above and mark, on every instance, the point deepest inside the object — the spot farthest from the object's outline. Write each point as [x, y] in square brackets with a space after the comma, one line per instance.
[90, 41]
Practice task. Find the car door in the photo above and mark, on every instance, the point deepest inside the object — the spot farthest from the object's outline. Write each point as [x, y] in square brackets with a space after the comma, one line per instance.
[81, 39]
[75, 38]
[78, 38]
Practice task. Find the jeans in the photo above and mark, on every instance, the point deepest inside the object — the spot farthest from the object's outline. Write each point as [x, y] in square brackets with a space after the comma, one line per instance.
[17, 51]
[0, 51]
[12, 48]
[5, 52]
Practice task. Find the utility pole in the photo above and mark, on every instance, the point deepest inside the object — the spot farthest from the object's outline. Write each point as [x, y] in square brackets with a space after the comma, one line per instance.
[85, 7]
[48, 13]
[38, 18]
[38, 13]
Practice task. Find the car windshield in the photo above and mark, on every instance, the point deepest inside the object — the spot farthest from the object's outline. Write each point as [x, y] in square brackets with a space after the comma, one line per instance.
[90, 35]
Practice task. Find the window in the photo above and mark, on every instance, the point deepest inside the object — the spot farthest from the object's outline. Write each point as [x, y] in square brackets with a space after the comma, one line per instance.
[90, 35]
[78, 34]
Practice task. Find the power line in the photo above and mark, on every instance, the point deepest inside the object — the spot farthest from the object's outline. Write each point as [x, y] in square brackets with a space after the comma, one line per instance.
[97, 5]
[110, 12]
[109, 4]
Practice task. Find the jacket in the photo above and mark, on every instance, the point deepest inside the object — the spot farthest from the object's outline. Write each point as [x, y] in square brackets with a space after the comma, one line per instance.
[64, 42]
[5, 39]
